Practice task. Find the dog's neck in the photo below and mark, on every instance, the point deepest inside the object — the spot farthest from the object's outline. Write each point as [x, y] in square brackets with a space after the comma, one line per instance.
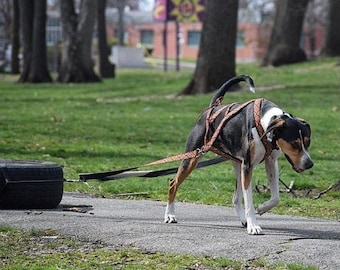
[267, 116]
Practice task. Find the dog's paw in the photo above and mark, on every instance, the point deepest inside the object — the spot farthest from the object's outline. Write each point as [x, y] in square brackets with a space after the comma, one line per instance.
[170, 219]
[254, 229]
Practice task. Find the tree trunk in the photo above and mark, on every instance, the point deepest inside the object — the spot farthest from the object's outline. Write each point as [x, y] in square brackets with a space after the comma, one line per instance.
[39, 70]
[106, 69]
[331, 45]
[216, 57]
[120, 8]
[15, 63]
[76, 63]
[26, 21]
[33, 26]
[284, 46]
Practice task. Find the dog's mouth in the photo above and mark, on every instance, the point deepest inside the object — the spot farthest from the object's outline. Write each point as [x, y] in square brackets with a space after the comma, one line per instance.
[298, 170]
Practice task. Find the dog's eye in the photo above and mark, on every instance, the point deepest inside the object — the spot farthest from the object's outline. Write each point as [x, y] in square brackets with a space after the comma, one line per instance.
[295, 145]
[306, 143]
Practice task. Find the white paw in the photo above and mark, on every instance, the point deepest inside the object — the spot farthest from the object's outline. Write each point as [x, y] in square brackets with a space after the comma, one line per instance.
[253, 229]
[170, 219]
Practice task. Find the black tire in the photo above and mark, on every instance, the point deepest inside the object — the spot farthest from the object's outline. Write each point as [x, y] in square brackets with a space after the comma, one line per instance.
[30, 184]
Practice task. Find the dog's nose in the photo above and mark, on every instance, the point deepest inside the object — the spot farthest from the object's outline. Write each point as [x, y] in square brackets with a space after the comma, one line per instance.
[309, 164]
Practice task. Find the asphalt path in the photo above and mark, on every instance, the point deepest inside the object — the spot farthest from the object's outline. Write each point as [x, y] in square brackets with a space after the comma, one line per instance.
[202, 229]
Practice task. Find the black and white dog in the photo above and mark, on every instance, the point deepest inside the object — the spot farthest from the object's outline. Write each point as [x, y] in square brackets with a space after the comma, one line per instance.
[258, 131]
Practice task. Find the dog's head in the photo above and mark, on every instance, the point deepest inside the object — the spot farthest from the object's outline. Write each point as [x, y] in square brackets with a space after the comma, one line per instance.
[293, 137]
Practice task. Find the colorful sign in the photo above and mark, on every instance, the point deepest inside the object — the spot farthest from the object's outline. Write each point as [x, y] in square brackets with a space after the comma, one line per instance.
[159, 11]
[179, 10]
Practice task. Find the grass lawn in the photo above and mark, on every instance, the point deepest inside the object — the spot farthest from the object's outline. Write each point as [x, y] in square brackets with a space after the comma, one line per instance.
[137, 118]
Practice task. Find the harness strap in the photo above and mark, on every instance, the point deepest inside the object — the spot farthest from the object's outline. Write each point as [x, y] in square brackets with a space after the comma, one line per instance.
[187, 155]
[259, 128]
[208, 144]
[227, 116]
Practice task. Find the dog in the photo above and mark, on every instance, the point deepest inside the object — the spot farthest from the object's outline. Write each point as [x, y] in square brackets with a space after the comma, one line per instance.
[247, 134]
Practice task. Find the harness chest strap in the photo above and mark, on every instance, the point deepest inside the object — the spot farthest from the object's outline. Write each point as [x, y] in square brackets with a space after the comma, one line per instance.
[257, 118]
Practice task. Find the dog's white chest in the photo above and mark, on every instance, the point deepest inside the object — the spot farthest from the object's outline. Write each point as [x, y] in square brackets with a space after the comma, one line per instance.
[259, 149]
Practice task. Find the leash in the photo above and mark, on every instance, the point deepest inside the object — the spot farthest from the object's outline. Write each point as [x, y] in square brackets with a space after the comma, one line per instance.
[129, 172]
[208, 146]
[126, 173]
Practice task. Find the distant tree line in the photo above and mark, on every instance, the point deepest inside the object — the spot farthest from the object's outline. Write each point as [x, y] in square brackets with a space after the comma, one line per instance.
[216, 58]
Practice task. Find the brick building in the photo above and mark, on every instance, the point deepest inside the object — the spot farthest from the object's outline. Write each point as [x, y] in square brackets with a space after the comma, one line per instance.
[141, 30]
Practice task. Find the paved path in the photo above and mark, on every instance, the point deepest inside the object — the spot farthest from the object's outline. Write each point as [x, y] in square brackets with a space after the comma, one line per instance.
[202, 229]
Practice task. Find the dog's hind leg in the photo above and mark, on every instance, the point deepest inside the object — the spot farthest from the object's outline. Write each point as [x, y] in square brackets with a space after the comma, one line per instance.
[186, 167]
[237, 198]
[273, 178]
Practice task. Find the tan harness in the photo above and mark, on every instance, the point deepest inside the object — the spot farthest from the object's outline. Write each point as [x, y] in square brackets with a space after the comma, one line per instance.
[208, 142]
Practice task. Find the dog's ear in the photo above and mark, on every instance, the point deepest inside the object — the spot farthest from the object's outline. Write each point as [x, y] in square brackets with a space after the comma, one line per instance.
[276, 122]
[303, 121]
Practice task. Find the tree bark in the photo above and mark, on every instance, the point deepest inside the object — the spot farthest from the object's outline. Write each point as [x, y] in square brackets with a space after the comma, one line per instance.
[331, 45]
[216, 57]
[15, 28]
[76, 63]
[120, 8]
[284, 46]
[39, 69]
[106, 69]
[33, 26]
[26, 21]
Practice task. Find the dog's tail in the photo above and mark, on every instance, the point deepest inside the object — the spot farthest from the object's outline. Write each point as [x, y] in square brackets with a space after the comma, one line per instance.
[217, 99]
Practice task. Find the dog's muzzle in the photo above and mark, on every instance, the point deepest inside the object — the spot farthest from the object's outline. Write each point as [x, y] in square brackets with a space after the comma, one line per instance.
[305, 163]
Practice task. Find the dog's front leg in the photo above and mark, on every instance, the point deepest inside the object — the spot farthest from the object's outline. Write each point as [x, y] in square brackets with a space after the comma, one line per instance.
[246, 177]
[272, 171]
[237, 199]
[183, 171]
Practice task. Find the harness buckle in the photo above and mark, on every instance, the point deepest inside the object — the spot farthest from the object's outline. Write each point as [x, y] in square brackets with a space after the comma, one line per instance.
[200, 151]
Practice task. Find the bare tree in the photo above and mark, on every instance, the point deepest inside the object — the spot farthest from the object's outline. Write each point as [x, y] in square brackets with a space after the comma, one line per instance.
[33, 22]
[120, 5]
[284, 46]
[216, 56]
[6, 17]
[77, 63]
[15, 39]
[106, 69]
[331, 45]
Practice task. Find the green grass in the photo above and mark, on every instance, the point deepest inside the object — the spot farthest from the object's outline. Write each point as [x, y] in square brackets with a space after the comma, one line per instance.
[47, 250]
[137, 118]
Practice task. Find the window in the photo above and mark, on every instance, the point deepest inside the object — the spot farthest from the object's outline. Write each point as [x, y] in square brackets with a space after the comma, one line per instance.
[240, 39]
[146, 37]
[194, 38]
